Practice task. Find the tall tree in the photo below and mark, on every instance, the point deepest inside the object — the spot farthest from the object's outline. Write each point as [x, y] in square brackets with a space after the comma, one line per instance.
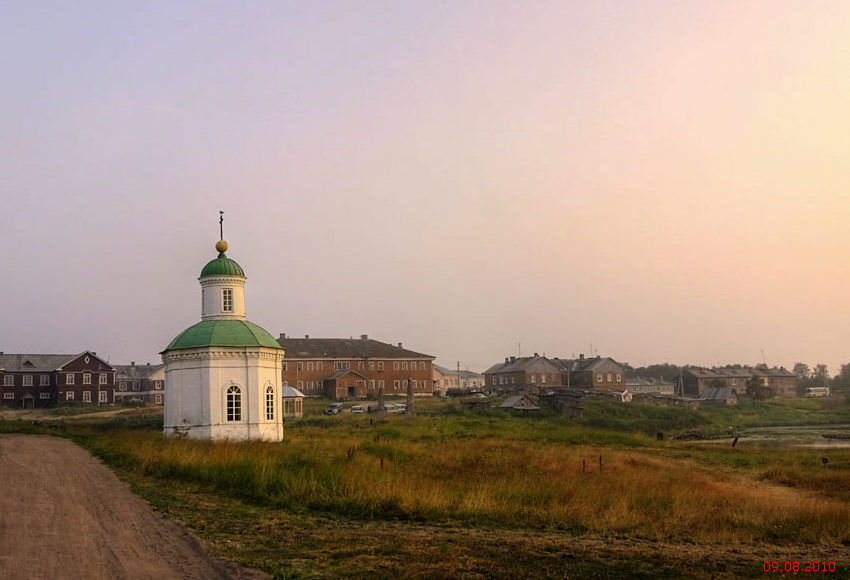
[756, 388]
[802, 370]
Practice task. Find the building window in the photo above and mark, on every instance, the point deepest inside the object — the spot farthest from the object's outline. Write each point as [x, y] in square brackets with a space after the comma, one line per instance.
[319, 366]
[360, 365]
[372, 384]
[319, 384]
[86, 378]
[543, 378]
[27, 380]
[8, 395]
[227, 300]
[103, 378]
[380, 384]
[395, 385]
[619, 377]
[69, 379]
[413, 383]
[234, 403]
[283, 367]
[300, 385]
[310, 366]
[157, 384]
[533, 378]
[122, 386]
[371, 365]
[103, 397]
[299, 367]
[310, 385]
[598, 378]
[493, 381]
[135, 385]
[44, 380]
[404, 366]
[381, 365]
[9, 381]
[158, 399]
[69, 395]
[395, 365]
[269, 403]
[341, 365]
[610, 378]
[44, 395]
[86, 396]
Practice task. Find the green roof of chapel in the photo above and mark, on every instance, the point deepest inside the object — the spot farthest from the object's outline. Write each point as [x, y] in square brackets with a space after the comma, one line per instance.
[222, 266]
[223, 333]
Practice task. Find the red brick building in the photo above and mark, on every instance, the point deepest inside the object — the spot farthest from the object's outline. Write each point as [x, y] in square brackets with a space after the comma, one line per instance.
[350, 368]
[46, 380]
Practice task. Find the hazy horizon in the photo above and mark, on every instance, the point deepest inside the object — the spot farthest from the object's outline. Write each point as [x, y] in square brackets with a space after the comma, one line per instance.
[665, 181]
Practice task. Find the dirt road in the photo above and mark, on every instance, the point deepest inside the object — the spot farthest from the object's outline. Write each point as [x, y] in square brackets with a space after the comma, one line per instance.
[63, 515]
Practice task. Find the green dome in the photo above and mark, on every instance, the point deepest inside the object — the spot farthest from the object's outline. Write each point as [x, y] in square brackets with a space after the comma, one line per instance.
[223, 333]
[222, 266]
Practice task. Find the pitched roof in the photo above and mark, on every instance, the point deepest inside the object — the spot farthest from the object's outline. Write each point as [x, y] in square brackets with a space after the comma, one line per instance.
[463, 373]
[344, 348]
[518, 402]
[290, 392]
[519, 364]
[137, 372]
[39, 362]
[718, 394]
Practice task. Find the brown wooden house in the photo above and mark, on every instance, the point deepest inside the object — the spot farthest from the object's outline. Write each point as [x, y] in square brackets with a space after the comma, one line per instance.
[523, 374]
[46, 380]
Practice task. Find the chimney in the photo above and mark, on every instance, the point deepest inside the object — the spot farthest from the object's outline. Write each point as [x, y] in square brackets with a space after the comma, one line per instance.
[364, 336]
[581, 357]
[132, 363]
[306, 336]
[282, 336]
[399, 345]
[536, 355]
[149, 364]
[507, 360]
[513, 359]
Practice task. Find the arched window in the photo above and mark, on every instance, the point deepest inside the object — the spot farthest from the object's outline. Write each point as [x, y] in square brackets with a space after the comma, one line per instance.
[234, 403]
[269, 403]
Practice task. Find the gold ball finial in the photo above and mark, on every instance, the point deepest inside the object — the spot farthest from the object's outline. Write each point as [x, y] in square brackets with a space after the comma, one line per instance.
[221, 246]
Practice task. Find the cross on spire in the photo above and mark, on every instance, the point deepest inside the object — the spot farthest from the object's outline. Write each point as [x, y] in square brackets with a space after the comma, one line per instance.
[221, 223]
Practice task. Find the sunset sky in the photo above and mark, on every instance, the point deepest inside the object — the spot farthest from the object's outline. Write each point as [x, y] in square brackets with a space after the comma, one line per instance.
[667, 181]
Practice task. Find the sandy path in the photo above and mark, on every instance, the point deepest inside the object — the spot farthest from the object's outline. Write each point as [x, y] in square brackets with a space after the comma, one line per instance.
[64, 515]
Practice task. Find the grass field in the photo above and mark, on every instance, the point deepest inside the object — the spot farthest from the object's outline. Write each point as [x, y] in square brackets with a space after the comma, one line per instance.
[453, 494]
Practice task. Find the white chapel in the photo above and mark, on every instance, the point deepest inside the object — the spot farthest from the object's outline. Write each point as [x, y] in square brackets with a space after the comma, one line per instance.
[223, 375]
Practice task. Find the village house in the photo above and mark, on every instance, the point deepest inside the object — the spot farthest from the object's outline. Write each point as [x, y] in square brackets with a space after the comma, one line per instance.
[46, 380]
[596, 373]
[140, 383]
[523, 374]
[779, 381]
[445, 379]
[350, 368]
[640, 386]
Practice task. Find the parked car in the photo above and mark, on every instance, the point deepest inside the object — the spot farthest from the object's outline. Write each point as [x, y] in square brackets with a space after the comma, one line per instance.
[357, 409]
[372, 408]
[389, 408]
[333, 409]
[400, 407]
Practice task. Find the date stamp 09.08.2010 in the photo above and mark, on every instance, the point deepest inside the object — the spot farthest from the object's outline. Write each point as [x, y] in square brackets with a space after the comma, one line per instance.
[799, 567]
